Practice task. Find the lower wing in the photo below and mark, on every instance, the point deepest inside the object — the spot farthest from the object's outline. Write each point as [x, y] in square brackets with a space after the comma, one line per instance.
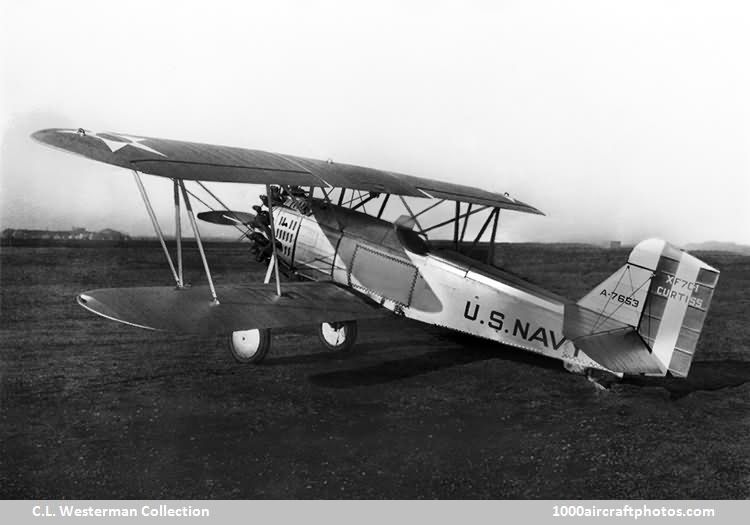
[242, 307]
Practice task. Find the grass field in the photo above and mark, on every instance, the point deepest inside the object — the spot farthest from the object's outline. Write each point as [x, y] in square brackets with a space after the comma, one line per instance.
[95, 409]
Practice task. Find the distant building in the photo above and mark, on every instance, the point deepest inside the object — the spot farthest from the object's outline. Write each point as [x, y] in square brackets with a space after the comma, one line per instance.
[20, 235]
[615, 245]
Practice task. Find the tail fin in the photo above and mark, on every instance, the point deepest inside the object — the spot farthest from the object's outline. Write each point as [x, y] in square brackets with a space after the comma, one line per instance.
[647, 316]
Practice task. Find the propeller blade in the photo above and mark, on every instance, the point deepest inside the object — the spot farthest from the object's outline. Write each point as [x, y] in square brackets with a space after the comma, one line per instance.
[228, 218]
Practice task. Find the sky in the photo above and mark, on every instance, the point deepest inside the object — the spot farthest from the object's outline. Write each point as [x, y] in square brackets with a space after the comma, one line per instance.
[620, 120]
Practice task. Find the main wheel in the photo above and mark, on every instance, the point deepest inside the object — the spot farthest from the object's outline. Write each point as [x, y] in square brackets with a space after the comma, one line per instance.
[338, 336]
[250, 346]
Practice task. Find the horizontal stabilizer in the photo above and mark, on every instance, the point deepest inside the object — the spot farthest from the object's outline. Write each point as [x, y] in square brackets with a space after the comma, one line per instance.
[191, 310]
[616, 346]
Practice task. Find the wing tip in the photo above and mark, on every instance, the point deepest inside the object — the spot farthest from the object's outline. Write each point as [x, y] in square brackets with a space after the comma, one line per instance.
[536, 211]
[47, 136]
[528, 208]
[88, 302]
[41, 134]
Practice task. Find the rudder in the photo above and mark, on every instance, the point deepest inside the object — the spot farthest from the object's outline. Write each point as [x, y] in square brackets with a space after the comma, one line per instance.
[676, 306]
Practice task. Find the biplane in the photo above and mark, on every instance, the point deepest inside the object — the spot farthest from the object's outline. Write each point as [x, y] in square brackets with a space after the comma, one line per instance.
[344, 263]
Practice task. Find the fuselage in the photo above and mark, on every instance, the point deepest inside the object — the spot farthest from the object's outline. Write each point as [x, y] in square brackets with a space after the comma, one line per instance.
[396, 268]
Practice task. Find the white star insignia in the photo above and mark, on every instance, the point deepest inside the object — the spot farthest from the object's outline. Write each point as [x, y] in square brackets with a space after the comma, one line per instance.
[115, 141]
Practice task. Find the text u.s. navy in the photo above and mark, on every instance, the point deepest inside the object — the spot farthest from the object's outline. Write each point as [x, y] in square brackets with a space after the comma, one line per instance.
[149, 511]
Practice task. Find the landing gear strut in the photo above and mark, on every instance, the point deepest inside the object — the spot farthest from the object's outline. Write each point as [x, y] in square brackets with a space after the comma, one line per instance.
[250, 346]
[338, 336]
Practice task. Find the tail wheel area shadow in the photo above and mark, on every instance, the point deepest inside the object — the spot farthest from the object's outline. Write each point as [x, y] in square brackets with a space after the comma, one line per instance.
[703, 376]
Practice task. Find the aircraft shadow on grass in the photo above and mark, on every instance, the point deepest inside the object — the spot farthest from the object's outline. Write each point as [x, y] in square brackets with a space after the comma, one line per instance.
[704, 375]
[468, 350]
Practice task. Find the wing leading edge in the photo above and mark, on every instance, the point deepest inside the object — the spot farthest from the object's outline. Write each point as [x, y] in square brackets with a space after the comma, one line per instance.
[194, 161]
[242, 307]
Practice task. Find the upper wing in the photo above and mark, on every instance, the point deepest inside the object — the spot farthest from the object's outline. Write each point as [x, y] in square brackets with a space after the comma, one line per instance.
[193, 161]
[241, 307]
